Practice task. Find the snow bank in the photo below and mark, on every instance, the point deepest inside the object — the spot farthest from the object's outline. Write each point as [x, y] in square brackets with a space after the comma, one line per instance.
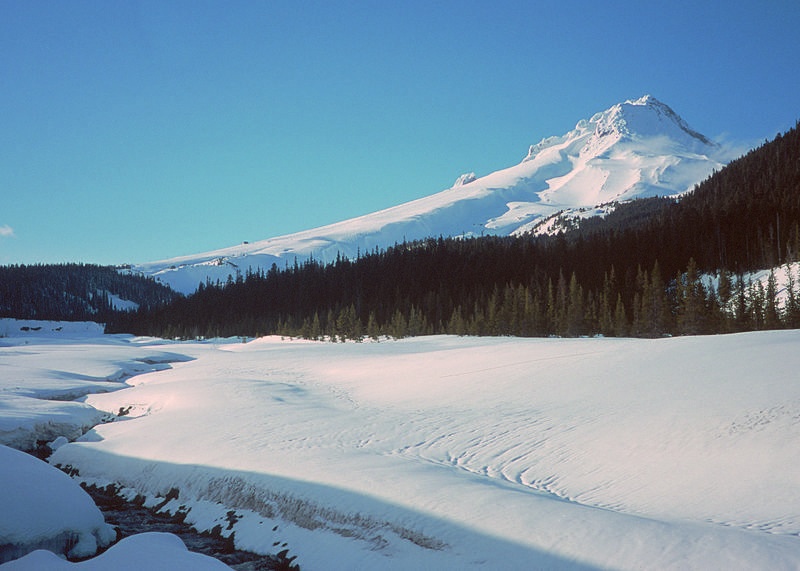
[26, 422]
[43, 508]
[150, 551]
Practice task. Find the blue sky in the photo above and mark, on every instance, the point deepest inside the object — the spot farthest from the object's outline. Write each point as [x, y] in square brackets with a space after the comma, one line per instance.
[137, 131]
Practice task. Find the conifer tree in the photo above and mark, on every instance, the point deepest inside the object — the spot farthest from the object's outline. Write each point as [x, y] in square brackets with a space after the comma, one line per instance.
[373, 331]
[620, 319]
[691, 301]
[755, 305]
[316, 328]
[398, 327]
[771, 315]
[575, 308]
[551, 312]
[606, 317]
[741, 315]
[724, 296]
[792, 311]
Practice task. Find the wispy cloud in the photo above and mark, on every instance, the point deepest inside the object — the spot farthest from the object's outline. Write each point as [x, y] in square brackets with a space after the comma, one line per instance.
[6, 231]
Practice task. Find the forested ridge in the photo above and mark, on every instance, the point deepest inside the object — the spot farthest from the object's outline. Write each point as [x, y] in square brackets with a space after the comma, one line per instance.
[74, 292]
[634, 272]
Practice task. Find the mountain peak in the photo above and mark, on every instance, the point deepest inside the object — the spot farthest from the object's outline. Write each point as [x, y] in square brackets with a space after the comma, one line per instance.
[634, 119]
[647, 117]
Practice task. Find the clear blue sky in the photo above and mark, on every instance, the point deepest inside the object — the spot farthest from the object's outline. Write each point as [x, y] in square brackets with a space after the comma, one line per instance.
[132, 131]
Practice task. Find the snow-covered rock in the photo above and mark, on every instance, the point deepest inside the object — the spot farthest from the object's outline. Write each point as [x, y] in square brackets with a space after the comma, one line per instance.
[465, 178]
[638, 148]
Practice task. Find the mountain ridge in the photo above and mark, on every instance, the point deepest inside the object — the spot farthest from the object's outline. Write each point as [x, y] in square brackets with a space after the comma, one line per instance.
[638, 148]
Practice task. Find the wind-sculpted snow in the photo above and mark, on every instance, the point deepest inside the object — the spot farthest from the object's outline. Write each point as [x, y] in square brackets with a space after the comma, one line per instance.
[634, 149]
[458, 453]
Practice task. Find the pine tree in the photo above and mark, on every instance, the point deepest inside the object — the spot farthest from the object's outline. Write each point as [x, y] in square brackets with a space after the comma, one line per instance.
[562, 301]
[316, 328]
[756, 305]
[575, 308]
[398, 327]
[642, 305]
[551, 312]
[456, 325]
[606, 317]
[724, 296]
[660, 316]
[620, 319]
[742, 320]
[772, 319]
[792, 312]
[373, 331]
[691, 302]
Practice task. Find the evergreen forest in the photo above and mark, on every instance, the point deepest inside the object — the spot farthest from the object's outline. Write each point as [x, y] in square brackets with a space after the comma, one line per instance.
[637, 272]
[74, 292]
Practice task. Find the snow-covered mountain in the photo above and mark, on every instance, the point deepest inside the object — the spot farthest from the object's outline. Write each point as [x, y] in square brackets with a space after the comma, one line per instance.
[639, 148]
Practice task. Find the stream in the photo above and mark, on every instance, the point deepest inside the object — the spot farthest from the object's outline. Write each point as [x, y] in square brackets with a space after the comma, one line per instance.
[130, 517]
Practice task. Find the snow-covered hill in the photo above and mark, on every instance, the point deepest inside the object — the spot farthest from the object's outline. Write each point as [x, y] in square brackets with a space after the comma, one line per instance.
[638, 148]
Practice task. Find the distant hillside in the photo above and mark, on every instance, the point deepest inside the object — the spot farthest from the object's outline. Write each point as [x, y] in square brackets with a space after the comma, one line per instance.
[634, 272]
[75, 292]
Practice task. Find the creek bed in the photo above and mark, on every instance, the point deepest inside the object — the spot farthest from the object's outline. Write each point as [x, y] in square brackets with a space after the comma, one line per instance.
[130, 517]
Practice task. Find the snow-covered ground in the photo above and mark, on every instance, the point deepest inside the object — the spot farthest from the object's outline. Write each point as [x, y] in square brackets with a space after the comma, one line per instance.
[465, 453]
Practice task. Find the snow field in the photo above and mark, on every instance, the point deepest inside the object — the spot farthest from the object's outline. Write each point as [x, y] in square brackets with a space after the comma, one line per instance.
[462, 453]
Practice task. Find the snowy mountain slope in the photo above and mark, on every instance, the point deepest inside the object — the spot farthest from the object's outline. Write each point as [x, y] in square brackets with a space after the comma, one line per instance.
[638, 148]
